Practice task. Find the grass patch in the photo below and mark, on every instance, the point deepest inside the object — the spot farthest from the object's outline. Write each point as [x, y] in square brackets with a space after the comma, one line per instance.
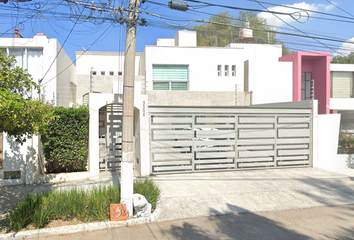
[148, 189]
[83, 205]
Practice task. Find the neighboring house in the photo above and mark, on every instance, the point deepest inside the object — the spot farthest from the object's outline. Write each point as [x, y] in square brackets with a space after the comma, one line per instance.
[53, 70]
[100, 72]
[311, 70]
[48, 64]
[342, 93]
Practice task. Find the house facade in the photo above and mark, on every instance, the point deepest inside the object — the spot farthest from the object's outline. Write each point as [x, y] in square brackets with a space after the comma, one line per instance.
[54, 72]
[178, 65]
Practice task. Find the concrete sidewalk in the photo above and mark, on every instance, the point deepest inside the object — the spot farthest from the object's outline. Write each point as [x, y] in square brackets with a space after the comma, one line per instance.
[215, 193]
[207, 194]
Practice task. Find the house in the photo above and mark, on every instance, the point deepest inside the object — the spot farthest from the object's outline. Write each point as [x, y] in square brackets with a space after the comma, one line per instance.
[342, 96]
[101, 72]
[54, 72]
[178, 73]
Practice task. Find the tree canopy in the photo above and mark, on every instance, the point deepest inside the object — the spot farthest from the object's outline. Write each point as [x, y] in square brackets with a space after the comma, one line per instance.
[349, 59]
[21, 116]
[224, 28]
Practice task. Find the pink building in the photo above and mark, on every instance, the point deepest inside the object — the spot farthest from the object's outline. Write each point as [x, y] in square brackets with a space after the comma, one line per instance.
[311, 68]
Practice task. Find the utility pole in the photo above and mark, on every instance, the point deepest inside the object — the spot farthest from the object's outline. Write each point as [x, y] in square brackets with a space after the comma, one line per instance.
[127, 164]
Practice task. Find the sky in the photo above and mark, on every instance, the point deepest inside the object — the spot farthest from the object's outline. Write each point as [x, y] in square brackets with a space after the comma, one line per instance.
[312, 25]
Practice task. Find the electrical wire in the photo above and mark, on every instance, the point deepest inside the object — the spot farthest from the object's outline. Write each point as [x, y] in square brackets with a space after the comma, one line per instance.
[58, 52]
[77, 57]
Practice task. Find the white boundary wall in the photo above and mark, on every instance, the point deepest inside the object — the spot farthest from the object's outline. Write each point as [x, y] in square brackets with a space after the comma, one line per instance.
[326, 144]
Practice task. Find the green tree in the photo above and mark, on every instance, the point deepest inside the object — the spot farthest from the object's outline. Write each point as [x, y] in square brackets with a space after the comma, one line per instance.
[224, 28]
[344, 59]
[21, 117]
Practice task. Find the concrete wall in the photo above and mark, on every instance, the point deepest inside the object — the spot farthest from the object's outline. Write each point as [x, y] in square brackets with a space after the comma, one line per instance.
[342, 104]
[197, 98]
[270, 82]
[186, 38]
[327, 141]
[66, 74]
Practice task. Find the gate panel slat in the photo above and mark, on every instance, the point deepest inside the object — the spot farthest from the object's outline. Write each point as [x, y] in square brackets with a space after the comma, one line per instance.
[172, 156]
[242, 154]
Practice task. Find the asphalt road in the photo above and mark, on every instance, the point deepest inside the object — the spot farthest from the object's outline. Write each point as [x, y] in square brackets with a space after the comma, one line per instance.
[334, 222]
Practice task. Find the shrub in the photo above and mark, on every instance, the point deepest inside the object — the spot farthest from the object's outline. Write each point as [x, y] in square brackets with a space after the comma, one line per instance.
[65, 143]
[346, 142]
[92, 204]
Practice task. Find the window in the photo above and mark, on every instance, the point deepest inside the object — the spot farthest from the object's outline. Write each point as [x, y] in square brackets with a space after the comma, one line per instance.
[226, 70]
[342, 84]
[120, 73]
[306, 85]
[19, 55]
[94, 73]
[219, 70]
[170, 77]
[233, 70]
[111, 73]
[103, 73]
[30, 59]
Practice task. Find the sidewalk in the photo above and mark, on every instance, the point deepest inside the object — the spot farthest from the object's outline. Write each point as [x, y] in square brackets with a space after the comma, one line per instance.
[217, 193]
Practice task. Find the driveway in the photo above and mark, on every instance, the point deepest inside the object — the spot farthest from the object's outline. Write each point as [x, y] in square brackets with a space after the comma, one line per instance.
[207, 194]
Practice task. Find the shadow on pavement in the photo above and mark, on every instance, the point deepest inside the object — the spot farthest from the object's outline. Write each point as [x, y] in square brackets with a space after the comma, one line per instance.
[233, 226]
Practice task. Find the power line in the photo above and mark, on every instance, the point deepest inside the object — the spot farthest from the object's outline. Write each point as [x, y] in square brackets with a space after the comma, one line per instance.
[78, 56]
[59, 51]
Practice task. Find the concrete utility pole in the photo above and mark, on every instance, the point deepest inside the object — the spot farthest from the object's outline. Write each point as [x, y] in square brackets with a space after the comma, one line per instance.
[127, 182]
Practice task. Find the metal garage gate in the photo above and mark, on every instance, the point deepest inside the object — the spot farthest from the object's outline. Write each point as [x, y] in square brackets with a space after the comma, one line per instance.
[205, 139]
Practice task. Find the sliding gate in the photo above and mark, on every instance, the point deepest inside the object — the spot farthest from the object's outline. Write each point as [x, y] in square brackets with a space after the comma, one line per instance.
[204, 139]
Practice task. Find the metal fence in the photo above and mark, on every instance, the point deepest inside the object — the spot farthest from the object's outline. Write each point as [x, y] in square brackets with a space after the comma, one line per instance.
[210, 139]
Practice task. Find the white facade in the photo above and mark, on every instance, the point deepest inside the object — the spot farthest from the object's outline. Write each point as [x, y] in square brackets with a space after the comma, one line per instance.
[241, 67]
[102, 62]
[44, 62]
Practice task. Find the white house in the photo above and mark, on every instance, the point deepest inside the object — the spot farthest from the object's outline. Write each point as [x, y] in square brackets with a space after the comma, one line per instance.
[179, 65]
[53, 70]
[100, 72]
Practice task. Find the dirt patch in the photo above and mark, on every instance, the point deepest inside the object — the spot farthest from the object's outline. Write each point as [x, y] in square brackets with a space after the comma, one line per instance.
[5, 224]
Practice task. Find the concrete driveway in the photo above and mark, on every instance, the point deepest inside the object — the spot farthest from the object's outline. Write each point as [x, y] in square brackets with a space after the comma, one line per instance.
[207, 194]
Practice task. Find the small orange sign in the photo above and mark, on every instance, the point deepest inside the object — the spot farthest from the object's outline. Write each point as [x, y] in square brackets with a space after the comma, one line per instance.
[118, 212]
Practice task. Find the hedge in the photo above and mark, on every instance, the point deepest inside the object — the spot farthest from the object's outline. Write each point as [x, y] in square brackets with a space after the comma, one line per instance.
[65, 145]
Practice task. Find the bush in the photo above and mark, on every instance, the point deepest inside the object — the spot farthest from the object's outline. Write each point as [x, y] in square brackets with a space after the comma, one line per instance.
[65, 144]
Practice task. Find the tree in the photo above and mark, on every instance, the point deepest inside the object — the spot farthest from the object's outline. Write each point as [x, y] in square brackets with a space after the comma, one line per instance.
[344, 59]
[223, 28]
[21, 116]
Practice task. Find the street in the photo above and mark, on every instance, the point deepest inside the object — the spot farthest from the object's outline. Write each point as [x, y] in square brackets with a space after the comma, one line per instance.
[334, 222]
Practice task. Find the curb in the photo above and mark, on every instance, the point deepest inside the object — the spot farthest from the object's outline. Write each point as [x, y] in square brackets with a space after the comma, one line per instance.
[86, 227]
